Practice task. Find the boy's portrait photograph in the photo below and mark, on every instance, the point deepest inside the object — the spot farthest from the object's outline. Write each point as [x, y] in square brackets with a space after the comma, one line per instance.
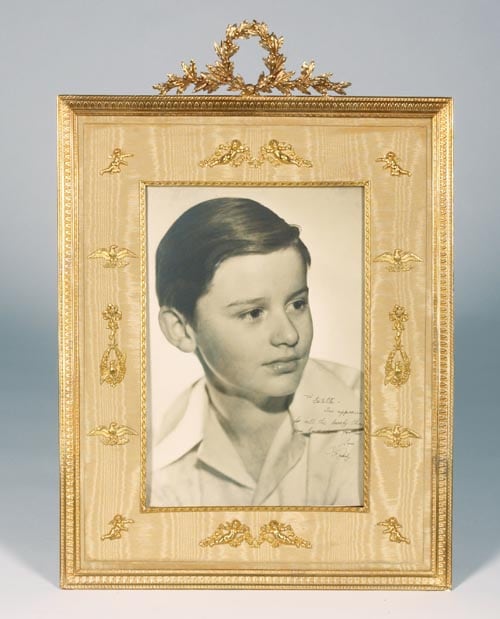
[255, 314]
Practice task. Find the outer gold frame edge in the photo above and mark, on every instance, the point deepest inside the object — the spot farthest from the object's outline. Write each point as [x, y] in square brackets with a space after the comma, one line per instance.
[388, 107]
[68, 345]
[443, 386]
[440, 110]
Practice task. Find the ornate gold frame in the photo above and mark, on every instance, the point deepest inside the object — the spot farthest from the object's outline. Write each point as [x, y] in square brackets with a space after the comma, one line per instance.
[405, 540]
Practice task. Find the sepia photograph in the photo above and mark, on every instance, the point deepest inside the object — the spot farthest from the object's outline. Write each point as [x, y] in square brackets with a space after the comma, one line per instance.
[255, 310]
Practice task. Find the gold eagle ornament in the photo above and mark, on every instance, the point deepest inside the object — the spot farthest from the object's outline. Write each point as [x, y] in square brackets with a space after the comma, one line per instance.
[114, 257]
[114, 434]
[396, 436]
[398, 260]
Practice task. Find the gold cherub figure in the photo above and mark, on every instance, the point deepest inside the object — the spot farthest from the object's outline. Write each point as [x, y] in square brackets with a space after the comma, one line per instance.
[392, 165]
[117, 159]
[118, 525]
[279, 153]
[233, 533]
[392, 527]
[278, 534]
[233, 154]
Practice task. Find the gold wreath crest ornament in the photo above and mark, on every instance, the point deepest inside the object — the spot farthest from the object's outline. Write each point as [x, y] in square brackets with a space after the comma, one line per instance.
[222, 74]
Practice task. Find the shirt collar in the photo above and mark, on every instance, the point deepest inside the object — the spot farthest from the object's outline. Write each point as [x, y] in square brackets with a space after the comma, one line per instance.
[217, 451]
[323, 402]
[199, 426]
[187, 433]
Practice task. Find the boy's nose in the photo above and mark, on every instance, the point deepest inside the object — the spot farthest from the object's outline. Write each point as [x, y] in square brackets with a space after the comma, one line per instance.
[284, 331]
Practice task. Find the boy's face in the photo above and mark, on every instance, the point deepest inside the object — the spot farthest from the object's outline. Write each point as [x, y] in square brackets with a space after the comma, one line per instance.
[253, 327]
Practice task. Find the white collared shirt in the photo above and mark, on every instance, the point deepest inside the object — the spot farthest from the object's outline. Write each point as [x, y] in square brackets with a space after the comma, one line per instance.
[316, 456]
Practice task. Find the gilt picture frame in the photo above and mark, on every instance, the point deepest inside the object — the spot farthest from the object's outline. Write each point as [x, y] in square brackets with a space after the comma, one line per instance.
[366, 185]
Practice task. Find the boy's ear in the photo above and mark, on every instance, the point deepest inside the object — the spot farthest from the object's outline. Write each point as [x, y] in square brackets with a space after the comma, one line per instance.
[177, 329]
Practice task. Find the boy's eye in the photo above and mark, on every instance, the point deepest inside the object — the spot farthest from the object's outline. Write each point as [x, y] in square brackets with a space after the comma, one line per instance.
[253, 314]
[299, 304]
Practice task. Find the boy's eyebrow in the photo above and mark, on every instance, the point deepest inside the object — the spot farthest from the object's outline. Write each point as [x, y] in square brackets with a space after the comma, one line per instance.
[260, 300]
[303, 290]
[247, 302]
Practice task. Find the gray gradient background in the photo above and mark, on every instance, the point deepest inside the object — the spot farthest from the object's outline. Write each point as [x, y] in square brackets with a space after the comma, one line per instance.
[384, 47]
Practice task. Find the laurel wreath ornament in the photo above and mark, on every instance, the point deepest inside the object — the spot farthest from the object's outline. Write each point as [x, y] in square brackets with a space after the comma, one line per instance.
[221, 73]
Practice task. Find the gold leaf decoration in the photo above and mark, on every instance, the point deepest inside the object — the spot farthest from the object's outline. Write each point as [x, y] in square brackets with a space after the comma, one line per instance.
[282, 153]
[396, 436]
[278, 534]
[113, 362]
[114, 257]
[117, 160]
[392, 529]
[397, 366]
[221, 73]
[398, 260]
[390, 163]
[114, 434]
[235, 154]
[234, 533]
[119, 524]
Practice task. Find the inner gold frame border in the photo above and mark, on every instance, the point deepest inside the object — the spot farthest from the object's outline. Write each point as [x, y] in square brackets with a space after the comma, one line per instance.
[366, 280]
[439, 111]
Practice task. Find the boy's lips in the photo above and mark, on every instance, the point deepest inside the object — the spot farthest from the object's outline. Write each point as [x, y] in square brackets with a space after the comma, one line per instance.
[284, 365]
[284, 360]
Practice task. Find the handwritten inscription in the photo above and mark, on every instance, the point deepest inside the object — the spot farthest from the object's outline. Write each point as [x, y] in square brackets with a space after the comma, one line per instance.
[342, 420]
[343, 450]
[327, 413]
[315, 399]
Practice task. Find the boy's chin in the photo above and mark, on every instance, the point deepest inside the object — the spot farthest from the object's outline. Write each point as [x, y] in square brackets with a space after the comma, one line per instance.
[284, 385]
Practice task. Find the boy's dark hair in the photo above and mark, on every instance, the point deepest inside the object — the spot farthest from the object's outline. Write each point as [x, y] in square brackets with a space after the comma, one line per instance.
[206, 235]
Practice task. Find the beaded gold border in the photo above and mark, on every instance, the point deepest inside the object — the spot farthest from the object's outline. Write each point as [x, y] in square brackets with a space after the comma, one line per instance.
[440, 111]
[365, 185]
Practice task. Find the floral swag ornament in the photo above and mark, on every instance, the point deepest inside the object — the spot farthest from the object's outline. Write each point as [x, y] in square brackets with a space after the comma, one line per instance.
[222, 72]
